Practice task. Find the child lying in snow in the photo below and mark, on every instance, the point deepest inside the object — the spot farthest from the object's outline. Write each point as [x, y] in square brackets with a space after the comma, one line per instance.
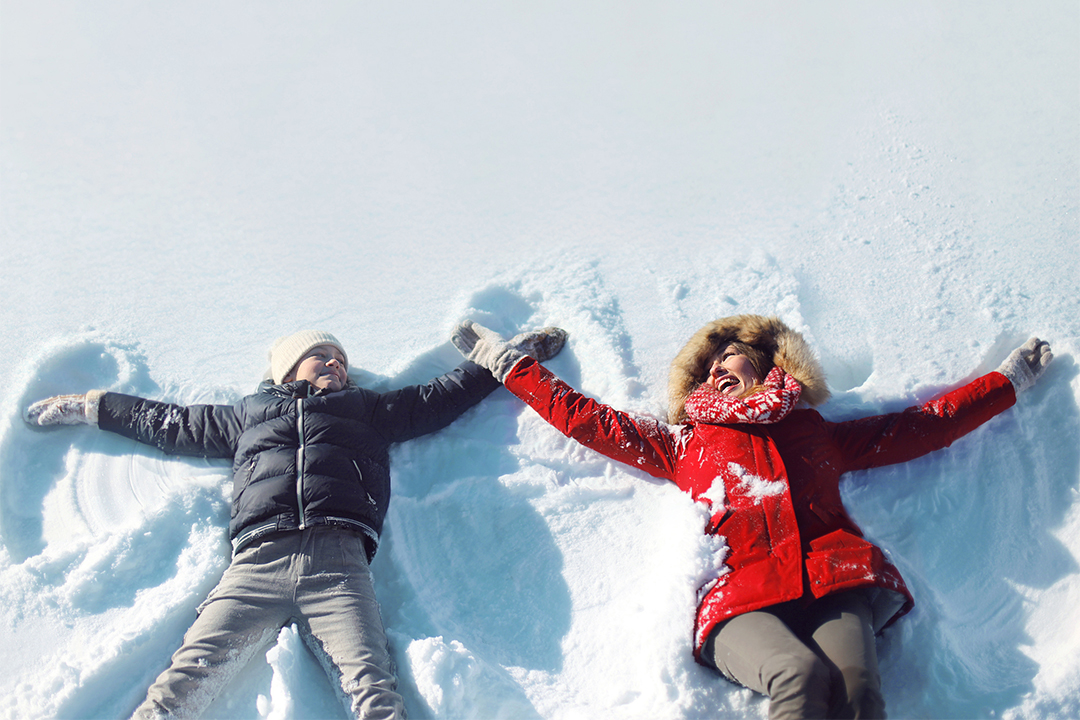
[794, 609]
[311, 485]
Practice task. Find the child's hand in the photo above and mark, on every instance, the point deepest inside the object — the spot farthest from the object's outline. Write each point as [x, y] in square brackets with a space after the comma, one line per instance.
[64, 410]
[1027, 363]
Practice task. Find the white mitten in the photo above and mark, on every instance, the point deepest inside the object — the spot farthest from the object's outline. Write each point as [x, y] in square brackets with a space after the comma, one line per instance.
[65, 410]
[488, 349]
[1027, 363]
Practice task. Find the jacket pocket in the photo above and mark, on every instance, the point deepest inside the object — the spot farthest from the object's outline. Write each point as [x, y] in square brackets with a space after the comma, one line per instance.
[839, 560]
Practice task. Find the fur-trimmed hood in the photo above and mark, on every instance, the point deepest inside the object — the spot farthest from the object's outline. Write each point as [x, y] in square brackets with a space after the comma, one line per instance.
[782, 345]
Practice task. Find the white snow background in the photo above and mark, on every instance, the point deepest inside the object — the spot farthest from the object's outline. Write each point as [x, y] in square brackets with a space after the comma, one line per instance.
[182, 182]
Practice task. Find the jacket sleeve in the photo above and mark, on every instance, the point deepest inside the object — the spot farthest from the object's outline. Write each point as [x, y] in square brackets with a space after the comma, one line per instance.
[638, 441]
[899, 437]
[200, 430]
[420, 409]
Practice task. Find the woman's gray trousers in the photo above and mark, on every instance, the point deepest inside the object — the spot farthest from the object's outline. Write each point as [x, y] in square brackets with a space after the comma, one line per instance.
[813, 662]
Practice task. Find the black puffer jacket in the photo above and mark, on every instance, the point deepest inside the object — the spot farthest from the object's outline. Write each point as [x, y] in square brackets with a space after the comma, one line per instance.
[302, 457]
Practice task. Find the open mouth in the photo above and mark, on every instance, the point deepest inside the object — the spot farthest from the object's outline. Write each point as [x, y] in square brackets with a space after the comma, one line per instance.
[727, 383]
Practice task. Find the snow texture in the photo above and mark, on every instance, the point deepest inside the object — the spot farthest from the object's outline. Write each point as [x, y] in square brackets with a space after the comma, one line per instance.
[182, 183]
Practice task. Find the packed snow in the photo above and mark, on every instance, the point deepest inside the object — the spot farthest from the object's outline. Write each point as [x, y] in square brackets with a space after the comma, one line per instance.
[754, 486]
[181, 183]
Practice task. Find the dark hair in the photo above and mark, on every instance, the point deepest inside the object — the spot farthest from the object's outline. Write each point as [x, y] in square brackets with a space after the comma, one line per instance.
[760, 359]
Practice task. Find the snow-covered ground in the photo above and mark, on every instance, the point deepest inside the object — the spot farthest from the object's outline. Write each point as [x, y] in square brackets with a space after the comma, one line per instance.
[182, 182]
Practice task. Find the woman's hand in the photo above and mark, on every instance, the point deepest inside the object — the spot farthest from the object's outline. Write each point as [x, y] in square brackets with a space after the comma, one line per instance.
[488, 349]
[1027, 363]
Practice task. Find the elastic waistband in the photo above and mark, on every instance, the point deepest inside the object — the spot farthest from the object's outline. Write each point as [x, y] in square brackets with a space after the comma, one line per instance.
[272, 527]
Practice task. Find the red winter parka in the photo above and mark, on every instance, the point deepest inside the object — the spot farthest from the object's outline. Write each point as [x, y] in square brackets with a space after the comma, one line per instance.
[787, 533]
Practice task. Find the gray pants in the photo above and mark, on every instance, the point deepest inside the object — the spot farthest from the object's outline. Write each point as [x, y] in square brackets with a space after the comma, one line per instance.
[815, 662]
[317, 577]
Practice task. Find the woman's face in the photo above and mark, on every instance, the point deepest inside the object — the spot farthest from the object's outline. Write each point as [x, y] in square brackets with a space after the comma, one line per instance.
[731, 373]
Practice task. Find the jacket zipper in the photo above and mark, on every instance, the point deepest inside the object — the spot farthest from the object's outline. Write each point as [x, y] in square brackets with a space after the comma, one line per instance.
[300, 461]
[371, 500]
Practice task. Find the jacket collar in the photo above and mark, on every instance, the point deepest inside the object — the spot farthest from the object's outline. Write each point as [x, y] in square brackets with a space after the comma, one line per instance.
[293, 390]
[300, 389]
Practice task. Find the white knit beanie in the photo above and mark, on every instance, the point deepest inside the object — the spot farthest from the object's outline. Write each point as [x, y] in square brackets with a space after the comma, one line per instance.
[286, 352]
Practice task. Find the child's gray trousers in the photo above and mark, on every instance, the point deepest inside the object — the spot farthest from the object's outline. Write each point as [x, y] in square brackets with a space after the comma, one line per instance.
[317, 578]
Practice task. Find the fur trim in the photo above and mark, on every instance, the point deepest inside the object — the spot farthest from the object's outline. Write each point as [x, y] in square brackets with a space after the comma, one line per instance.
[784, 346]
[92, 403]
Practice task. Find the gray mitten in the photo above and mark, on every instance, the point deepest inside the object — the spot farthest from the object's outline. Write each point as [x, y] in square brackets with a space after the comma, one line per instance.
[1027, 363]
[65, 410]
[488, 349]
[542, 344]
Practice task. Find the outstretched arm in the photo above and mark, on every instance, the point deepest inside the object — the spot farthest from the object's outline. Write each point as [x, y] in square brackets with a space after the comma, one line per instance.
[202, 430]
[413, 411]
[899, 437]
[640, 442]
[416, 410]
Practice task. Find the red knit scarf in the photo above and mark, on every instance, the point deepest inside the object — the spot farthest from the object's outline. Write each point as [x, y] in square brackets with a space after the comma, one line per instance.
[706, 405]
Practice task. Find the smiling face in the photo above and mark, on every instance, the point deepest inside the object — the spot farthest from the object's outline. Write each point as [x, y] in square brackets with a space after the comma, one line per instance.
[732, 373]
[323, 366]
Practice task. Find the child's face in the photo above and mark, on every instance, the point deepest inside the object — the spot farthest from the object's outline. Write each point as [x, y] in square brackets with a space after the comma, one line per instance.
[323, 367]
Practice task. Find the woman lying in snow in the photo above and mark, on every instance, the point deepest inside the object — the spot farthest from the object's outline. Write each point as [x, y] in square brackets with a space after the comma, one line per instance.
[801, 594]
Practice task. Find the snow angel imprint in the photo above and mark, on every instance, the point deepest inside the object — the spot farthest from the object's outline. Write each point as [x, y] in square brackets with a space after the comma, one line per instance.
[311, 486]
[801, 595]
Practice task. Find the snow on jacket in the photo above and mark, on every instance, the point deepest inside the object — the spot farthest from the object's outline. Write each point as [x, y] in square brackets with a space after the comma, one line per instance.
[302, 456]
[779, 510]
